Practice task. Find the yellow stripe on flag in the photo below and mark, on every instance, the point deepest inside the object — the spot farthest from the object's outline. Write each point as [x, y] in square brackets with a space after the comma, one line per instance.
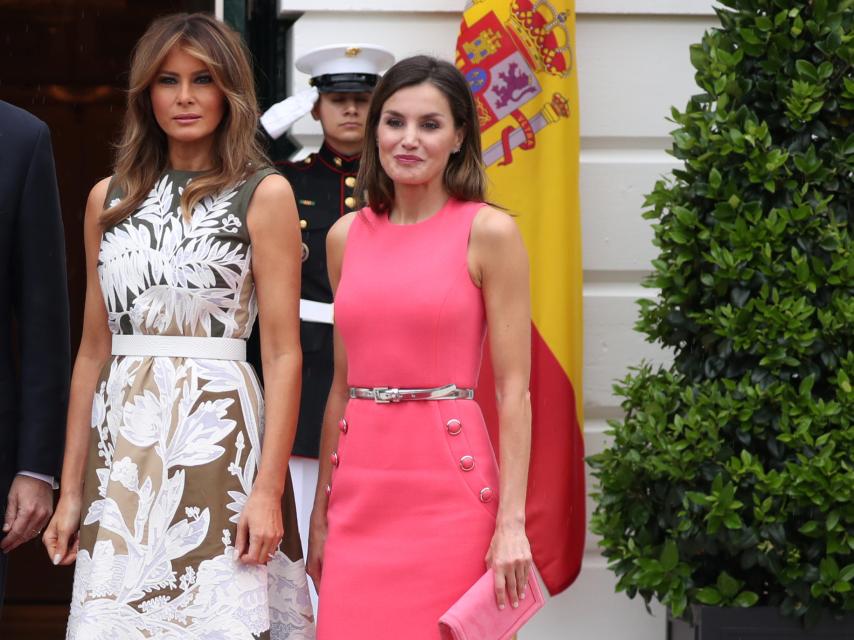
[539, 184]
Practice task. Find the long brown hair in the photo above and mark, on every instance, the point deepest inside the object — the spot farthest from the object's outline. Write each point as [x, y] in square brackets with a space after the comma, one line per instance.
[465, 176]
[142, 152]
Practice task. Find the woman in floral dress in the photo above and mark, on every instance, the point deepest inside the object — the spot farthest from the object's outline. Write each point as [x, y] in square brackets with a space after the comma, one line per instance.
[174, 481]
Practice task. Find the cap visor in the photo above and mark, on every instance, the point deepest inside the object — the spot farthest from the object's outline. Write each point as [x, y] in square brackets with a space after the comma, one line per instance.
[345, 87]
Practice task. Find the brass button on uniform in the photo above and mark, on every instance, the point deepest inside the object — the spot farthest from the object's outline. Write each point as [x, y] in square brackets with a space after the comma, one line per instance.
[350, 202]
[337, 161]
[303, 224]
[350, 181]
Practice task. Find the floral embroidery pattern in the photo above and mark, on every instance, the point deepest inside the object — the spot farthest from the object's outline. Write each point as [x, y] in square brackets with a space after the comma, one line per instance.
[176, 444]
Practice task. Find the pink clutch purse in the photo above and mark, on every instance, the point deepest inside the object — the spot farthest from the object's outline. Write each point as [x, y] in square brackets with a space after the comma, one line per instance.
[476, 616]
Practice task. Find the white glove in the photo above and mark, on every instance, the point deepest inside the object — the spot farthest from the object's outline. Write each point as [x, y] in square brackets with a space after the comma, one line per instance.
[278, 118]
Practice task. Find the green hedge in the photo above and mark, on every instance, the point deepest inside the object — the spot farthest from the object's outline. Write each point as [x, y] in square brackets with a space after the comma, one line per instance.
[730, 481]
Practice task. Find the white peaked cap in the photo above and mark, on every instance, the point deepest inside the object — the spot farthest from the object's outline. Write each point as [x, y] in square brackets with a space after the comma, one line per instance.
[368, 59]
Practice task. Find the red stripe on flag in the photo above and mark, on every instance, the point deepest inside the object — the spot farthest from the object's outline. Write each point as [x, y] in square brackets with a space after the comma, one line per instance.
[555, 509]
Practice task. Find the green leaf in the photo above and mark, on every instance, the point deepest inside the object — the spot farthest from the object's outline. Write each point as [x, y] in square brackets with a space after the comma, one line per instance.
[832, 520]
[669, 556]
[847, 574]
[807, 70]
[809, 528]
[745, 599]
[685, 216]
[727, 585]
[709, 596]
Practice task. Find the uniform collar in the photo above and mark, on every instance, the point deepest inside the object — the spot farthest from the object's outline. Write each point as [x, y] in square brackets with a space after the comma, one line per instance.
[337, 161]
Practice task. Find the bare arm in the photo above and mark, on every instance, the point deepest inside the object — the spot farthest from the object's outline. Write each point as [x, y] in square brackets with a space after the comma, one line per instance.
[335, 404]
[498, 262]
[274, 231]
[94, 351]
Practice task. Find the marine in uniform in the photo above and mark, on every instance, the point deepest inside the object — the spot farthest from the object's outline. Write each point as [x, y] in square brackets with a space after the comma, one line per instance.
[342, 79]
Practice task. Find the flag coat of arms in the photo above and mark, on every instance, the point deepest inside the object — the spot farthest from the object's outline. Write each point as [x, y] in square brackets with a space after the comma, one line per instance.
[517, 56]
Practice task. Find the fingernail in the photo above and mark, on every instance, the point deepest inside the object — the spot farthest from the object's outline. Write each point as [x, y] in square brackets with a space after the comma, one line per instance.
[56, 558]
[501, 607]
[523, 595]
[515, 605]
[236, 555]
[6, 527]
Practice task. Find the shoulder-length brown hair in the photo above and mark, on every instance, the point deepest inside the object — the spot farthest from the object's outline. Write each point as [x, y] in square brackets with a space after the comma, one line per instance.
[142, 151]
[465, 176]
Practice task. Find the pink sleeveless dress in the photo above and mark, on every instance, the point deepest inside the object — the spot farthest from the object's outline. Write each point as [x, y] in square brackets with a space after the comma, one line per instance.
[409, 523]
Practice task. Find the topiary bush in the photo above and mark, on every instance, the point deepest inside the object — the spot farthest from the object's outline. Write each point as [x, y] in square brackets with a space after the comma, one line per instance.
[730, 481]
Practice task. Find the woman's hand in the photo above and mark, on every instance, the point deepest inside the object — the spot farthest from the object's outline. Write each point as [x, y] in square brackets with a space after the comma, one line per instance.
[316, 540]
[509, 557]
[260, 529]
[61, 536]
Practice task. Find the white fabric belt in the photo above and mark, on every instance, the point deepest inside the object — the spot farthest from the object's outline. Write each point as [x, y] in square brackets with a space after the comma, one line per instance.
[179, 347]
[311, 311]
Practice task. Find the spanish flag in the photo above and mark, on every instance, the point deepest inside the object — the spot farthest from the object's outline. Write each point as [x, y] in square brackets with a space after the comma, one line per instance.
[518, 58]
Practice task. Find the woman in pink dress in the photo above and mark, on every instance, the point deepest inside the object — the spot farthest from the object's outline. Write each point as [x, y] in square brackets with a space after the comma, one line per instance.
[411, 508]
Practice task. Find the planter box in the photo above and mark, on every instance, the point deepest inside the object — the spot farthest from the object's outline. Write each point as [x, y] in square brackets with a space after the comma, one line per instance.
[756, 623]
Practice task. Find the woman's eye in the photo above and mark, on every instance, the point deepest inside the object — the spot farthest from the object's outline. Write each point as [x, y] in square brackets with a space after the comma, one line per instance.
[394, 122]
[205, 79]
[431, 125]
[166, 80]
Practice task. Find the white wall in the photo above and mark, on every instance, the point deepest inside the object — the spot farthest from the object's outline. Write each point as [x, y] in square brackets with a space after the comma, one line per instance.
[633, 65]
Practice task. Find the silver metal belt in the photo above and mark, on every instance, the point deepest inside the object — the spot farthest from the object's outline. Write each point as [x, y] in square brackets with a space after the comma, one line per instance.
[384, 395]
[179, 347]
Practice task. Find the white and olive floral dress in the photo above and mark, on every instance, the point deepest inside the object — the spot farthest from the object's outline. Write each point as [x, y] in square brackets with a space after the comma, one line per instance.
[175, 442]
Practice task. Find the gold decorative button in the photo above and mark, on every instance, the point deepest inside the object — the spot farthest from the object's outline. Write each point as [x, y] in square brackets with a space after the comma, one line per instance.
[350, 181]
[337, 161]
[303, 224]
[350, 202]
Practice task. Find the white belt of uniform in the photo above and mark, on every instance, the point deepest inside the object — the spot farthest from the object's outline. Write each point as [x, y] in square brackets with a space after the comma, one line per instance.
[311, 311]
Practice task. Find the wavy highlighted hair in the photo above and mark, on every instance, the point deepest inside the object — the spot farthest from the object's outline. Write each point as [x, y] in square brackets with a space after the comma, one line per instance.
[142, 153]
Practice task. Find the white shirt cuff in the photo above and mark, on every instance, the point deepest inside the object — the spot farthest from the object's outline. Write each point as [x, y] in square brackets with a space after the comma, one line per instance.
[40, 476]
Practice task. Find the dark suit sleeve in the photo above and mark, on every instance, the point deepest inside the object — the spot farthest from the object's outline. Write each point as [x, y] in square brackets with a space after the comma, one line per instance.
[41, 309]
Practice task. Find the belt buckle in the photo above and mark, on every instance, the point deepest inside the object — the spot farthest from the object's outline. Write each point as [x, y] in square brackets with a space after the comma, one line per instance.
[384, 395]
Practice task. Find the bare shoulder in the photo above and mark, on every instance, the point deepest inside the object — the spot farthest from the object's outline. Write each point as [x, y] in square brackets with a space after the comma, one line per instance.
[491, 226]
[271, 189]
[271, 205]
[95, 202]
[337, 235]
[98, 194]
